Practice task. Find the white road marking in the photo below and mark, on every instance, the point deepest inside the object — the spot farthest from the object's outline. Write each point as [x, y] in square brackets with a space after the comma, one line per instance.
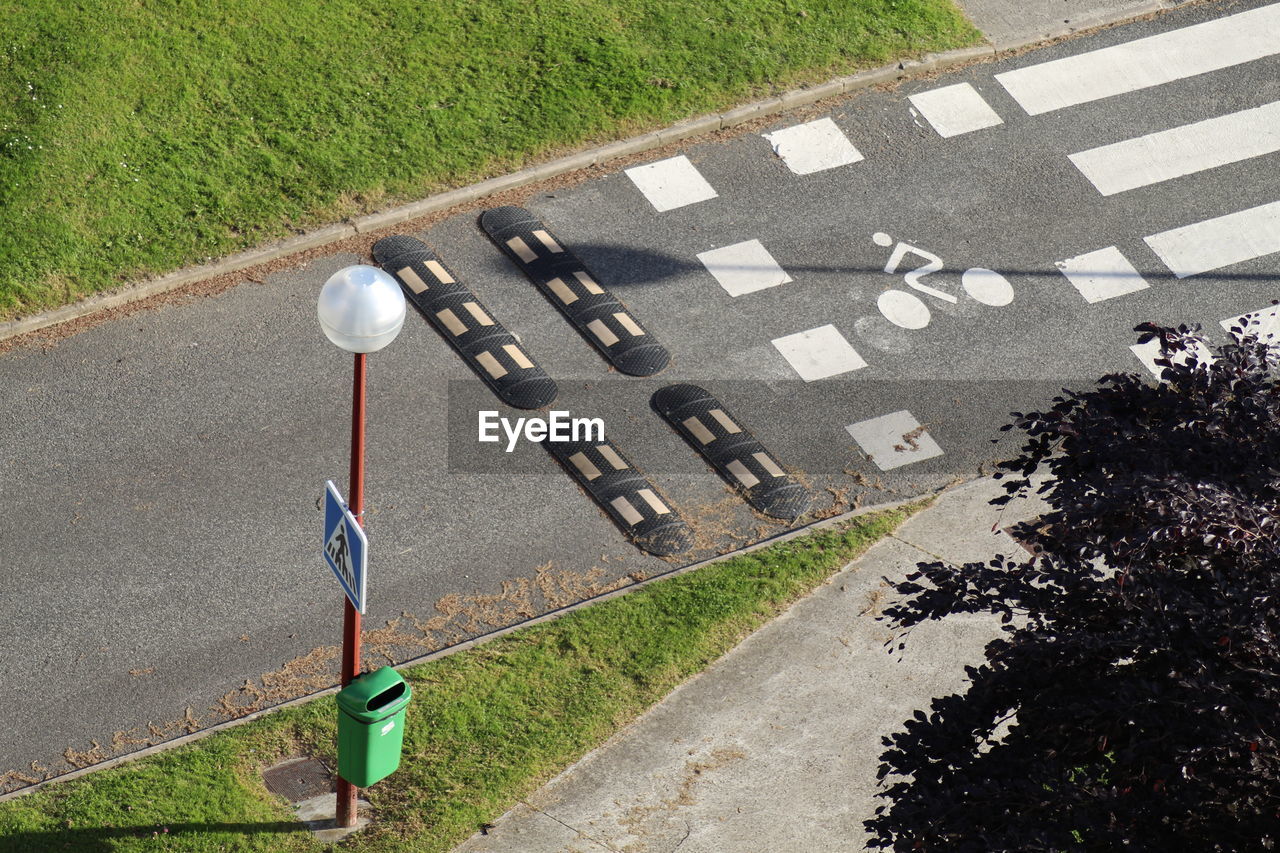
[903, 309]
[953, 110]
[1183, 150]
[819, 353]
[894, 440]
[1148, 353]
[1102, 274]
[1265, 324]
[671, 183]
[1219, 242]
[1146, 62]
[813, 147]
[987, 286]
[744, 267]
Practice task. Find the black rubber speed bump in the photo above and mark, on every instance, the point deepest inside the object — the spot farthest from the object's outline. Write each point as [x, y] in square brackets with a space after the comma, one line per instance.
[625, 493]
[462, 319]
[568, 284]
[736, 454]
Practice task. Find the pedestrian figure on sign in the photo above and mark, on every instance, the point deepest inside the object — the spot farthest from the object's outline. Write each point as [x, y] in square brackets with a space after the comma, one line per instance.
[338, 549]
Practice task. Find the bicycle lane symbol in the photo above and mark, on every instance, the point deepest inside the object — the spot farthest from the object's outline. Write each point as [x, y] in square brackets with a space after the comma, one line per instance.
[905, 309]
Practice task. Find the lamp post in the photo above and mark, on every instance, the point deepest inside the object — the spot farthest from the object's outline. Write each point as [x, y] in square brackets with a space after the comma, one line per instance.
[361, 309]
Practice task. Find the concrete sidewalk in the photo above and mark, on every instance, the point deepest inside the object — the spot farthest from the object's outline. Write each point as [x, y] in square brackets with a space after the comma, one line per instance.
[1015, 23]
[775, 747]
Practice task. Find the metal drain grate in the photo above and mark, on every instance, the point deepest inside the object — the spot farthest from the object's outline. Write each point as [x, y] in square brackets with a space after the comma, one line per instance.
[298, 779]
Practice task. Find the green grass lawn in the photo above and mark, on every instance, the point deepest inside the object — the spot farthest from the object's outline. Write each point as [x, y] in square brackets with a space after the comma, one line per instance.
[138, 137]
[485, 727]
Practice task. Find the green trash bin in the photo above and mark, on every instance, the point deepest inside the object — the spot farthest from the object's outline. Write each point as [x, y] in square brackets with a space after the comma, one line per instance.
[371, 726]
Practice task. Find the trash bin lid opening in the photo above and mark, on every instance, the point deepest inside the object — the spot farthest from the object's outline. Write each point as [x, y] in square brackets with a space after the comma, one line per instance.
[387, 696]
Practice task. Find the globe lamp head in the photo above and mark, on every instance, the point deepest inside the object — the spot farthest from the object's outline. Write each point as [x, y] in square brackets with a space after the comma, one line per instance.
[361, 308]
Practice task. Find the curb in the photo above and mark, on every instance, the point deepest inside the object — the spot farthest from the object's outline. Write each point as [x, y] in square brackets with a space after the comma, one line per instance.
[465, 645]
[591, 157]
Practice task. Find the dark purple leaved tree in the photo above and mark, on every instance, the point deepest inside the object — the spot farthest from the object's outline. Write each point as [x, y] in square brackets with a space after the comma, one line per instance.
[1133, 699]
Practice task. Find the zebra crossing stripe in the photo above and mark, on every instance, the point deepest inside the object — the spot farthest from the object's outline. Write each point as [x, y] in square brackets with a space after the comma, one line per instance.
[1146, 62]
[1182, 150]
[1219, 242]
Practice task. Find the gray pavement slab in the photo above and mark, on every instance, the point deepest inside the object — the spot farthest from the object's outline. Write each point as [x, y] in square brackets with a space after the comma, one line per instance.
[966, 528]
[1006, 22]
[776, 745]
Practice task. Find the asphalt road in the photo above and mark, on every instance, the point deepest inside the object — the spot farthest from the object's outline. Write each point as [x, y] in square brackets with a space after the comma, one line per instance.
[160, 473]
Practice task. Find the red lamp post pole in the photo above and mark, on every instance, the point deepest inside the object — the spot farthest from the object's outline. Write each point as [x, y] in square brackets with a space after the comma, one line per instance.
[346, 809]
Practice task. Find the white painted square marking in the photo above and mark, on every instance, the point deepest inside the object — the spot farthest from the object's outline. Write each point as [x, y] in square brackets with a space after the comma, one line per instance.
[819, 353]
[1103, 274]
[1148, 353]
[671, 183]
[894, 440]
[1266, 325]
[813, 147]
[744, 267]
[953, 110]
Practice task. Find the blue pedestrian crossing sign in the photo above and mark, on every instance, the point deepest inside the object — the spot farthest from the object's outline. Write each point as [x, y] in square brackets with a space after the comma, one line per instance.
[346, 549]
